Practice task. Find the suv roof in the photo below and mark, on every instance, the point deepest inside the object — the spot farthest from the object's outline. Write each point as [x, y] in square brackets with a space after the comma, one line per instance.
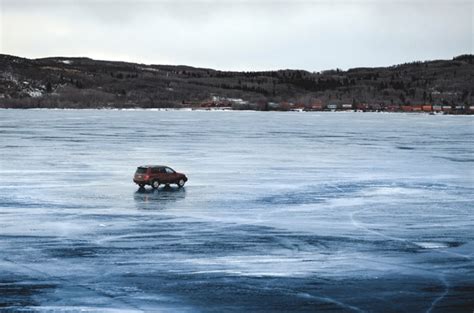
[153, 166]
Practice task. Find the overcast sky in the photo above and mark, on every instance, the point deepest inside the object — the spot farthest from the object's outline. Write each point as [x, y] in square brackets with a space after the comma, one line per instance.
[240, 35]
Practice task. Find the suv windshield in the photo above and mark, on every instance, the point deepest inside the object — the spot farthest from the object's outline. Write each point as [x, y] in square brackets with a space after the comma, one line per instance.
[141, 170]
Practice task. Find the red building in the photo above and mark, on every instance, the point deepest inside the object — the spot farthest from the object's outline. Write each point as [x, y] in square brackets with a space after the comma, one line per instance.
[362, 106]
[427, 108]
[392, 108]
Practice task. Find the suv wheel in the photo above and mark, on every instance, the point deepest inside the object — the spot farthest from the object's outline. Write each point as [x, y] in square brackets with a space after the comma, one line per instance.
[155, 184]
[181, 183]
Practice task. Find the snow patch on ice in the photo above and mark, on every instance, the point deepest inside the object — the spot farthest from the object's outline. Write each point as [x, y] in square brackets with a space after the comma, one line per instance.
[389, 191]
[431, 245]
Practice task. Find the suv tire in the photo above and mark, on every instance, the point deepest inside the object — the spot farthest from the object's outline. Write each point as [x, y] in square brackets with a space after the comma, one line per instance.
[155, 184]
[181, 183]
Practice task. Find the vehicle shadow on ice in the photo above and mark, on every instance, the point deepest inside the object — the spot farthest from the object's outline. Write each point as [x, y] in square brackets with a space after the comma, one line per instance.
[158, 199]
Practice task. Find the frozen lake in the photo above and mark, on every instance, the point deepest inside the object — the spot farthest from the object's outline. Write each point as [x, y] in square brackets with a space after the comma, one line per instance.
[283, 212]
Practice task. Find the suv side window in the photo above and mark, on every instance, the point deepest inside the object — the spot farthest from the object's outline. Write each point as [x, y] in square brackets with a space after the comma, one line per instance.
[169, 171]
[141, 170]
[155, 170]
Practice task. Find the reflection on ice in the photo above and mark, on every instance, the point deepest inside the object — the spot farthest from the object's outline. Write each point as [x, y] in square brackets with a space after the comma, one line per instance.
[158, 199]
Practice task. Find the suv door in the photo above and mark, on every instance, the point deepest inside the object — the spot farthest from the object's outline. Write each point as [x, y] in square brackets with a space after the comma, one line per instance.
[170, 175]
[155, 173]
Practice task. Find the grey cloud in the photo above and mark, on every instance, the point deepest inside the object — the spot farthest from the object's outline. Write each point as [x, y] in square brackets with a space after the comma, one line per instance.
[241, 35]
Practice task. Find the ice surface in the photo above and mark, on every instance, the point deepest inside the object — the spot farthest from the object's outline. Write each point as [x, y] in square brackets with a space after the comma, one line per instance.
[282, 212]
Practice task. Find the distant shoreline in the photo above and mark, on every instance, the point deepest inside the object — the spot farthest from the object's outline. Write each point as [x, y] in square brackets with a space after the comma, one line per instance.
[438, 86]
[226, 110]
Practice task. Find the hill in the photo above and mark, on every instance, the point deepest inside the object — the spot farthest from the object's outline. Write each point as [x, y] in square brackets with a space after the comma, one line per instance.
[59, 82]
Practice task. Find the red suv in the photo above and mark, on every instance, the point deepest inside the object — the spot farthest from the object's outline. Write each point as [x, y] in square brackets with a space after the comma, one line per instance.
[154, 175]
